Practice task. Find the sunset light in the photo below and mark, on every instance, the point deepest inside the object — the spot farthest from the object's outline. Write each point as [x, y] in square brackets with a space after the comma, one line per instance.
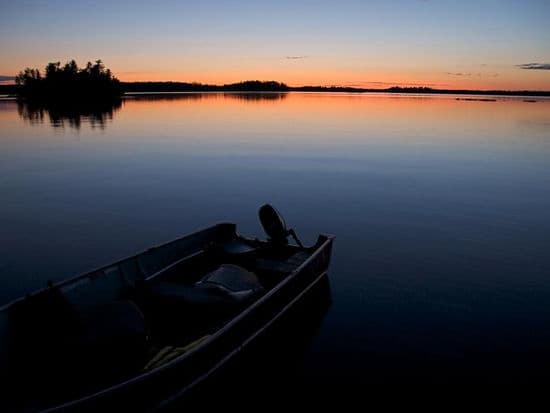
[256, 205]
[444, 44]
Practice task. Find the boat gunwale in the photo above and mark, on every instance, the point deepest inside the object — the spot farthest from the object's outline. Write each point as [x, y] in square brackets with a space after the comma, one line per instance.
[67, 281]
[323, 241]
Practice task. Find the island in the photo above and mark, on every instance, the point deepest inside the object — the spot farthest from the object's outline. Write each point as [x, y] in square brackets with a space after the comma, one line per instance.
[68, 83]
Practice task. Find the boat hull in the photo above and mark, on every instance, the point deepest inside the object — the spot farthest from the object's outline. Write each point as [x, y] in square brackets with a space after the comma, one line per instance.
[162, 387]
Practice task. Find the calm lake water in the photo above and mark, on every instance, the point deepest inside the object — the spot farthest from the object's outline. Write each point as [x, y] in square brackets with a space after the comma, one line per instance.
[440, 205]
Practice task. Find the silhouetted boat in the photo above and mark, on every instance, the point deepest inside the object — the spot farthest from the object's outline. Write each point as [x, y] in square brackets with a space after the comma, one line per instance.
[145, 330]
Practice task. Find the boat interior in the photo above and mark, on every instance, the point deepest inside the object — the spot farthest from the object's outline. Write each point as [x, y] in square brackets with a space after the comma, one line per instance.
[140, 313]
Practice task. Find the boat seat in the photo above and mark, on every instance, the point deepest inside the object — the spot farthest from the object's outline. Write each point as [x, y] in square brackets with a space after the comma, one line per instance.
[227, 285]
[238, 247]
[191, 310]
[282, 266]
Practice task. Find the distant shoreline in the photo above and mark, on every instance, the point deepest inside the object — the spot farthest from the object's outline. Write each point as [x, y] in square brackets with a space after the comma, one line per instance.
[256, 86]
[263, 87]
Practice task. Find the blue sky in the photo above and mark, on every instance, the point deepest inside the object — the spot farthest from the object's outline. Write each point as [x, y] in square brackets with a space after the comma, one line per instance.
[442, 43]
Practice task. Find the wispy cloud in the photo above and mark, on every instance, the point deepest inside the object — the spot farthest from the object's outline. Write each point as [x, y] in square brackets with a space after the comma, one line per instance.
[377, 84]
[459, 74]
[534, 66]
[403, 83]
[468, 74]
[295, 57]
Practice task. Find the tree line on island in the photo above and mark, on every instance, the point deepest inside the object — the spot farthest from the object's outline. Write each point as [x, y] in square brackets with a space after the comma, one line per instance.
[68, 82]
[95, 82]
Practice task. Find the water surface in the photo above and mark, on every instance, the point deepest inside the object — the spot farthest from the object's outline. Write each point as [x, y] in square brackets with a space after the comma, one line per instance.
[441, 208]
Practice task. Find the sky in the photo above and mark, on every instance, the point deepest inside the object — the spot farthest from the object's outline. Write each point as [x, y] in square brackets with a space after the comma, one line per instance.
[481, 44]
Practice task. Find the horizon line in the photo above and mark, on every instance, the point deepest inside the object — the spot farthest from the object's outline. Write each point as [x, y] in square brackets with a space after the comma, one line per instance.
[358, 88]
[281, 87]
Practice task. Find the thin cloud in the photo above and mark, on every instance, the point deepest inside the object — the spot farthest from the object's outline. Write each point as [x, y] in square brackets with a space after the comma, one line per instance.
[295, 57]
[459, 74]
[407, 84]
[378, 84]
[534, 66]
[467, 74]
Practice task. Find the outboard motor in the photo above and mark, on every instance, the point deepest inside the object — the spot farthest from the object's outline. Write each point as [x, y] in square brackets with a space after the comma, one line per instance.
[275, 226]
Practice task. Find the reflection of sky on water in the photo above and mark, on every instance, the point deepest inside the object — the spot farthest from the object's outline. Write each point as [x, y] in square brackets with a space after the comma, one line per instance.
[440, 207]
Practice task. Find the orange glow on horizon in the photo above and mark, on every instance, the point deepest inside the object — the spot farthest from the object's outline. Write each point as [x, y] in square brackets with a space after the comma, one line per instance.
[511, 80]
[298, 74]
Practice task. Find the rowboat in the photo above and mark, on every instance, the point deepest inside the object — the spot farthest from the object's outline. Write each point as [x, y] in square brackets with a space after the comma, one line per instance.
[149, 329]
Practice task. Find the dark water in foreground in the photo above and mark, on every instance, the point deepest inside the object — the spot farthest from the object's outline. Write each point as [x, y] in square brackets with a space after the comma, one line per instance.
[441, 208]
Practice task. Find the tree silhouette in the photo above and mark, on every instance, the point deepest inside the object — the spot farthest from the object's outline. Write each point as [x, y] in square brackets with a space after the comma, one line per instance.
[69, 82]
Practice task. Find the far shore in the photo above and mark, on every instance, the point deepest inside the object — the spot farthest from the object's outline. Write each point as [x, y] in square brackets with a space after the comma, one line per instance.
[130, 88]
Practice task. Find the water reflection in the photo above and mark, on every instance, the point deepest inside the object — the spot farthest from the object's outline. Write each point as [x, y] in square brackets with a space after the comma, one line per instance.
[245, 96]
[257, 96]
[99, 114]
[440, 208]
[72, 114]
